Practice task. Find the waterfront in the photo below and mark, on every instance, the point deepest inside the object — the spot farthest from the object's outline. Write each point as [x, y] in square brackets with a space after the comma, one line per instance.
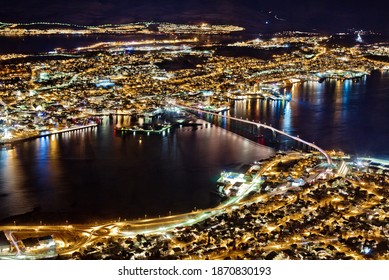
[95, 175]
[159, 194]
[69, 175]
[272, 218]
[113, 147]
[44, 44]
[350, 116]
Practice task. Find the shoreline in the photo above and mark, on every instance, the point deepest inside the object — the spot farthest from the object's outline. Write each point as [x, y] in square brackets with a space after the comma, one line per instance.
[40, 135]
[33, 217]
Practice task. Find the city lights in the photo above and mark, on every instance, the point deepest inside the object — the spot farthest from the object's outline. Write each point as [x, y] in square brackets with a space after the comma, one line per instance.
[301, 203]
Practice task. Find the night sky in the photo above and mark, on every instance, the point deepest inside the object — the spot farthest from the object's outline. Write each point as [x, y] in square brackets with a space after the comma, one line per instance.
[324, 15]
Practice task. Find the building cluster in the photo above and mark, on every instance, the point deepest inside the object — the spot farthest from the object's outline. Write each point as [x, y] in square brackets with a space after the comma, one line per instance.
[302, 209]
[51, 91]
[202, 29]
[49, 28]
[330, 218]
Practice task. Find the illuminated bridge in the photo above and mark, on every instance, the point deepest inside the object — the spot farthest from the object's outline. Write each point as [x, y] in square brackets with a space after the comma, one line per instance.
[274, 130]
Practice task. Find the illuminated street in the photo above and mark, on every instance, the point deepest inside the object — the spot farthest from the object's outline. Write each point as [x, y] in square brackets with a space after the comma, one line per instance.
[100, 121]
[301, 223]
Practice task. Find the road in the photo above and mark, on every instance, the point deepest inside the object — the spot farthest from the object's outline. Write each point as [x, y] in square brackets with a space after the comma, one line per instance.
[73, 237]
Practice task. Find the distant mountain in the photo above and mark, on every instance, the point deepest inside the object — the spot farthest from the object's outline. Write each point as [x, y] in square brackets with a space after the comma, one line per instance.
[257, 16]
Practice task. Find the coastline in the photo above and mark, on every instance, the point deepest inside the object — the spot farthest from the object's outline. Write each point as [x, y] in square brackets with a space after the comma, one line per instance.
[40, 135]
[57, 218]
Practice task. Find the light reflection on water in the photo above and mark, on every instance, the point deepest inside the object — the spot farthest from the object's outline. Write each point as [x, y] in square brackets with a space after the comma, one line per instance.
[93, 174]
[351, 116]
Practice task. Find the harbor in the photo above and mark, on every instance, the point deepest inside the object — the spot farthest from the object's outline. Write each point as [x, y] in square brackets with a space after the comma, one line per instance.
[8, 143]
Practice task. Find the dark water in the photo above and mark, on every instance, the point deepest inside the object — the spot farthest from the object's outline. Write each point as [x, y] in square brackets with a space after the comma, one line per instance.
[41, 44]
[96, 175]
[350, 116]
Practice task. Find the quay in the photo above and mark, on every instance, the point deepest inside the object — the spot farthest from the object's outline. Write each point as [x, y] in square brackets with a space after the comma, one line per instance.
[9, 142]
[143, 131]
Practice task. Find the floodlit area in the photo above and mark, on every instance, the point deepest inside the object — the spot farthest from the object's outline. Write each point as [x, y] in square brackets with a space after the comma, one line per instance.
[274, 215]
